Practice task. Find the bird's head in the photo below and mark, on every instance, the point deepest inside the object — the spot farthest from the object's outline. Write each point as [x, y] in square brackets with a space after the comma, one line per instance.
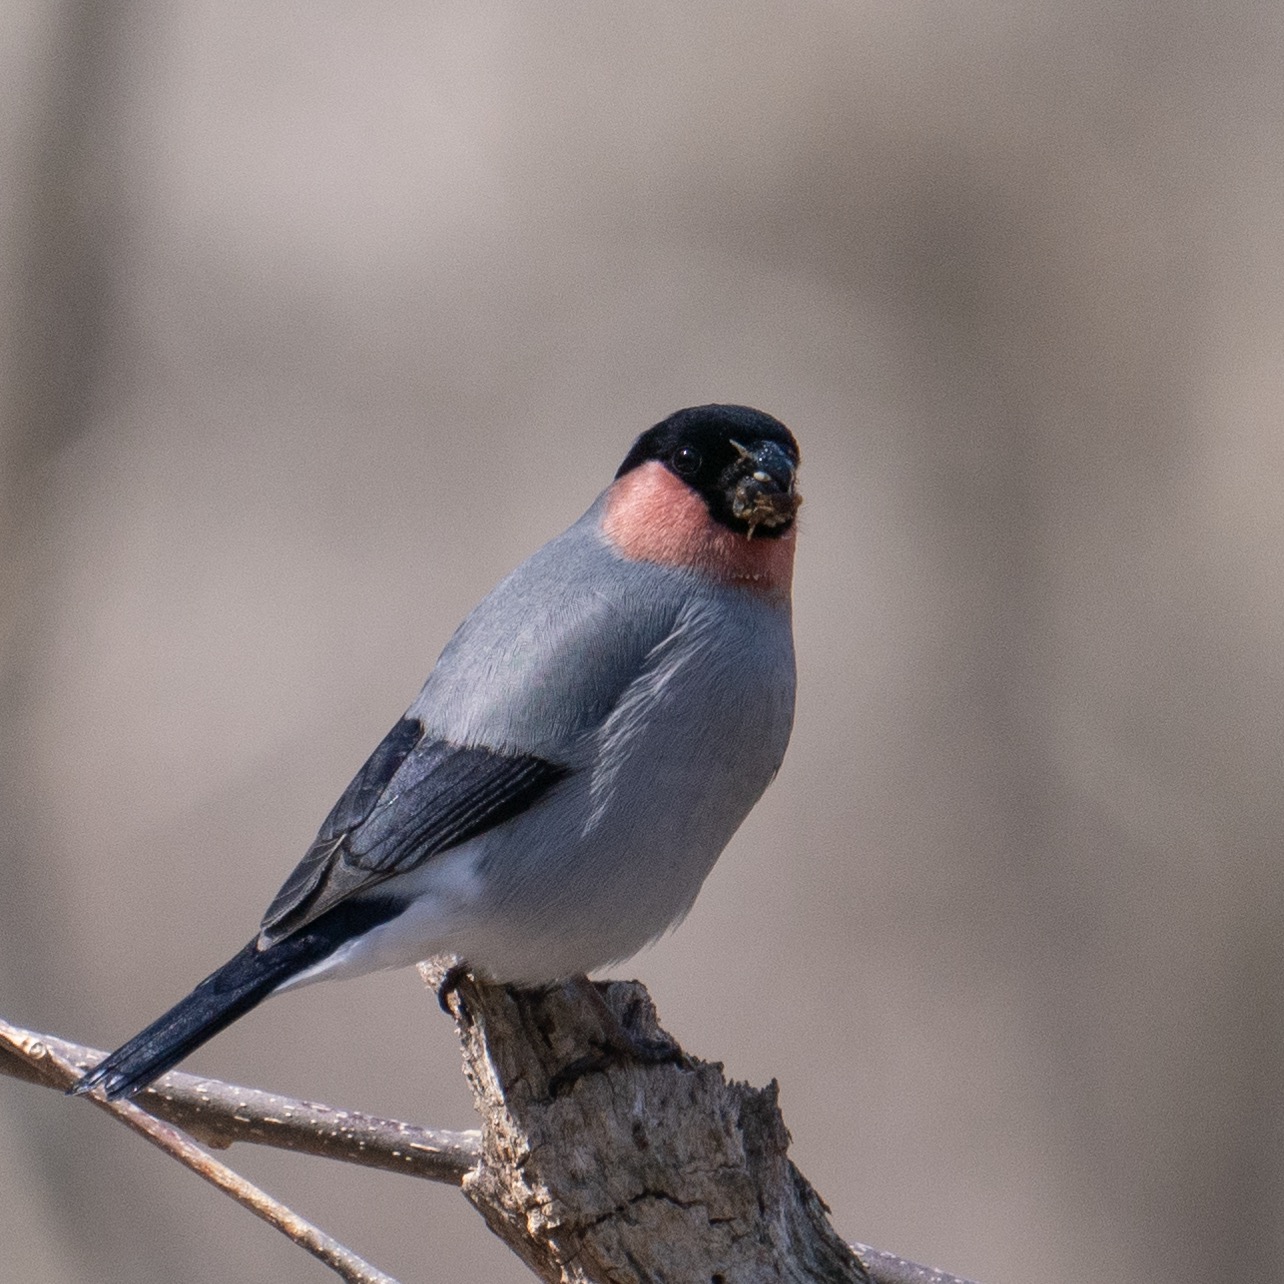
[712, 488]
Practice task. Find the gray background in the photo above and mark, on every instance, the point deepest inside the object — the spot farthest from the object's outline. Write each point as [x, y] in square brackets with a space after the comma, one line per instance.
[318, 318]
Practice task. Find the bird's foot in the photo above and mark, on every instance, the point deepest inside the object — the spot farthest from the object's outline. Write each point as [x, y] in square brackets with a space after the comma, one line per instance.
[450, 983]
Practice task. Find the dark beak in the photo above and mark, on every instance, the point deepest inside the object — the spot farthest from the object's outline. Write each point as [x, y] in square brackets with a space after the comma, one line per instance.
[763, 493]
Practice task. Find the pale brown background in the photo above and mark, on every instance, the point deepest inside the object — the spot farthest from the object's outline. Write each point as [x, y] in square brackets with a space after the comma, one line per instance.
[319, 317]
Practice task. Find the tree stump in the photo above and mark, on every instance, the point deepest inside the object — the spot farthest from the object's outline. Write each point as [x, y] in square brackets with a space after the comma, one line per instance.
[597, 1165]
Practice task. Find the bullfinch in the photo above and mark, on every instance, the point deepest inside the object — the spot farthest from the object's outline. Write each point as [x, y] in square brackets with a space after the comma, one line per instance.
[587, 744]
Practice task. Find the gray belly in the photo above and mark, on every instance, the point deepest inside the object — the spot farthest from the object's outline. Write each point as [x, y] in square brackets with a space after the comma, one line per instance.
[617, 853]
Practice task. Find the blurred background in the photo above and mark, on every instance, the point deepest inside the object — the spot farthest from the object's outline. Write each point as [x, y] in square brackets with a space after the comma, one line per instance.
[316, 319]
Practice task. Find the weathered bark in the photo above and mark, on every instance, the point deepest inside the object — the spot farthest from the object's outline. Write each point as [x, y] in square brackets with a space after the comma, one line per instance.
[614, 1169]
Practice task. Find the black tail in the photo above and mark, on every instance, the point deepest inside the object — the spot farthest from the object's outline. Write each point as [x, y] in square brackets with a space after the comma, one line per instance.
[242, 983]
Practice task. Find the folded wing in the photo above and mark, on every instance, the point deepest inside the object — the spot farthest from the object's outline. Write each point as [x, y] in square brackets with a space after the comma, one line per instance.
[415, 798]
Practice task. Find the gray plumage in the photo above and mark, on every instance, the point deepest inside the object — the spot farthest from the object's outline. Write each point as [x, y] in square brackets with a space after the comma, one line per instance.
[587, 744]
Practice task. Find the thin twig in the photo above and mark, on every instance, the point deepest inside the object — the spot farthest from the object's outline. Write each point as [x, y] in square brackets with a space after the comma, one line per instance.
[887, 1268]
[343, 1261]
[218, 1114]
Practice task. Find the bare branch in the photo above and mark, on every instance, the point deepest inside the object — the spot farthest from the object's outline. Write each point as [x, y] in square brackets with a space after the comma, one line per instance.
[219, 1114]
[343, 1261]
[887, 1268]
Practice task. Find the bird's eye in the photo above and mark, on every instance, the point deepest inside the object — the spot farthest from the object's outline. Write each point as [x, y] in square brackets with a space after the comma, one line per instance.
[686, 459]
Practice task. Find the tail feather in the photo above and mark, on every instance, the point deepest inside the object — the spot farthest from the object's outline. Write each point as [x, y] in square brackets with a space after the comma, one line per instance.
[242, 983]
[239, 985]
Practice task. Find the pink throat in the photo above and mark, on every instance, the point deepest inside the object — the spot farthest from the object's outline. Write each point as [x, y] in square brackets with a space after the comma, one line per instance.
[653, 516]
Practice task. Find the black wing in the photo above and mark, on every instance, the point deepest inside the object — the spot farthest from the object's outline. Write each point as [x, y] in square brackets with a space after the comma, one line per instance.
[413, 799]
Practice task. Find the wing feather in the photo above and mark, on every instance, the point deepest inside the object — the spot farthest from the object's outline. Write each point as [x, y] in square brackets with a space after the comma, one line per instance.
[414, 798]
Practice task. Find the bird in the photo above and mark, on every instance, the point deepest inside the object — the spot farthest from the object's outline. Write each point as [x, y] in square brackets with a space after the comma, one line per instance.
[585, 747]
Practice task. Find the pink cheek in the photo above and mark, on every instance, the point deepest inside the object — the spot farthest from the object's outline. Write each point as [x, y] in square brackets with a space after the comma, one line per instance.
[652, 516]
